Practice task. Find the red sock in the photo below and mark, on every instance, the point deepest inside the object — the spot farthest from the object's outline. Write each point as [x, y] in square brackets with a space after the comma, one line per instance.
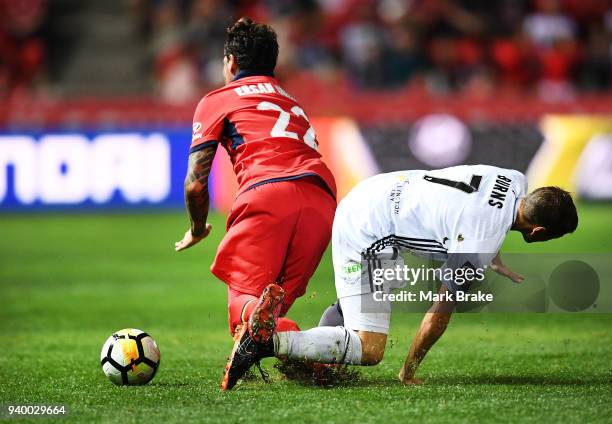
[240, 308]
[286, 324]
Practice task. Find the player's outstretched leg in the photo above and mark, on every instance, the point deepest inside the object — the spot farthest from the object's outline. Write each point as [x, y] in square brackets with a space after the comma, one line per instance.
[254, 341]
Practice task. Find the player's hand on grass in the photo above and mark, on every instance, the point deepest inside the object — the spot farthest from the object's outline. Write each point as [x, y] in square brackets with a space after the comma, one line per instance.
[409, 380]
[189, 239]
[498, 266]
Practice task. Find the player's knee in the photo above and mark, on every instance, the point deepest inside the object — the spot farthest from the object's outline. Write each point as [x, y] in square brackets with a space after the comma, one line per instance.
[372, 347]
[371, 356]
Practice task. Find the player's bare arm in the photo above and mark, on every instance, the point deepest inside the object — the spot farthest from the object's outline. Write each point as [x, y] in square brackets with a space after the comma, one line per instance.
[432, 327]
[196, 197]
[435, 322]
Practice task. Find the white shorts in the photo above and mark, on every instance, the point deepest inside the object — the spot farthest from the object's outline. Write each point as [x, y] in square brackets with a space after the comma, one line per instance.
[375, 320]
[354, 288]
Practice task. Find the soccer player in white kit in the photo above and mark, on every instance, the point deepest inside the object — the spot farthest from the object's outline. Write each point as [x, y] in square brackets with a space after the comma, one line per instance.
[458, 215]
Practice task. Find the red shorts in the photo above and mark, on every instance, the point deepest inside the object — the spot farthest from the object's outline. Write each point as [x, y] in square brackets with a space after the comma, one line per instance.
[276, 232]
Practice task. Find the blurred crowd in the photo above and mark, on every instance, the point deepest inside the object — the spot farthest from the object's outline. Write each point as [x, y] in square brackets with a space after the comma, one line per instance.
[22, 49]
[552, 46]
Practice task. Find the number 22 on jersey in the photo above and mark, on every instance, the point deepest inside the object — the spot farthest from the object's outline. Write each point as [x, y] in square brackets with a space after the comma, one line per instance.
[280, 127]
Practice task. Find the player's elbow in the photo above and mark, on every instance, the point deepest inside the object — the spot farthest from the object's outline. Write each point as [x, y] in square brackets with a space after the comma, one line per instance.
[194, 188]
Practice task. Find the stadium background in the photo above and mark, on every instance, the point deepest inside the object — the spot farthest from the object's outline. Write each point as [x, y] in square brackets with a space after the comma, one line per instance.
[96, 101]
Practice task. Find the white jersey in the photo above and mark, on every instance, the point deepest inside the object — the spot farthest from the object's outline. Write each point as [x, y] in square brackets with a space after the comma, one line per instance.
[464, 209]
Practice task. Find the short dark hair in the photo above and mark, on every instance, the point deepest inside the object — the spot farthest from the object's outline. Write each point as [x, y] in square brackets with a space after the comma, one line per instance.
[253, 45]
[552, 208]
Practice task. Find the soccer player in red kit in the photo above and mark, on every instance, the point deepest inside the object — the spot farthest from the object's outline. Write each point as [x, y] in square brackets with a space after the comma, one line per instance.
[281, 220]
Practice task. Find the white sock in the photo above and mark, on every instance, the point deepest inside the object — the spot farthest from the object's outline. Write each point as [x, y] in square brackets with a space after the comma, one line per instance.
[328, 345]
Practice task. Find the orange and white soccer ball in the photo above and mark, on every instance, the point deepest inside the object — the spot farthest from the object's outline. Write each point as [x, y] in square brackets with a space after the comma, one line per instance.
[130, 357]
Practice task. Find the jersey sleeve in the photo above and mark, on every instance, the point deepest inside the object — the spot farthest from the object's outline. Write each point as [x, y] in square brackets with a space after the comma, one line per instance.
[522, 185]
[467, 261]
[207, 123]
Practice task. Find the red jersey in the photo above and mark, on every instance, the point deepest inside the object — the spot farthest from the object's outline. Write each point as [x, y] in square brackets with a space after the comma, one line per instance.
[266, 133]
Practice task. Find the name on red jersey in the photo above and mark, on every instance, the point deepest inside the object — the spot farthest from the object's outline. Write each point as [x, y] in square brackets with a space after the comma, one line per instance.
[261, 88]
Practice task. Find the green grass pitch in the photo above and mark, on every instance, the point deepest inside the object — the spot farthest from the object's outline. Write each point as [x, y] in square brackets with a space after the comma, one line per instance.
[68, 281]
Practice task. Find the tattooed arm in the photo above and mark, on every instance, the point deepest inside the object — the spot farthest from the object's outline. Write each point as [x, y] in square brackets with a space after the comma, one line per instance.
[196, 197]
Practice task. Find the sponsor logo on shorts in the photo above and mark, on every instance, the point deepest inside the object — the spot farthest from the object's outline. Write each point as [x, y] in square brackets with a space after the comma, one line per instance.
[351, 271]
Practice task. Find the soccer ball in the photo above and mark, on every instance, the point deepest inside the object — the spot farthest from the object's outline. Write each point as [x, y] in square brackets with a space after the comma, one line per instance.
[130, 357]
